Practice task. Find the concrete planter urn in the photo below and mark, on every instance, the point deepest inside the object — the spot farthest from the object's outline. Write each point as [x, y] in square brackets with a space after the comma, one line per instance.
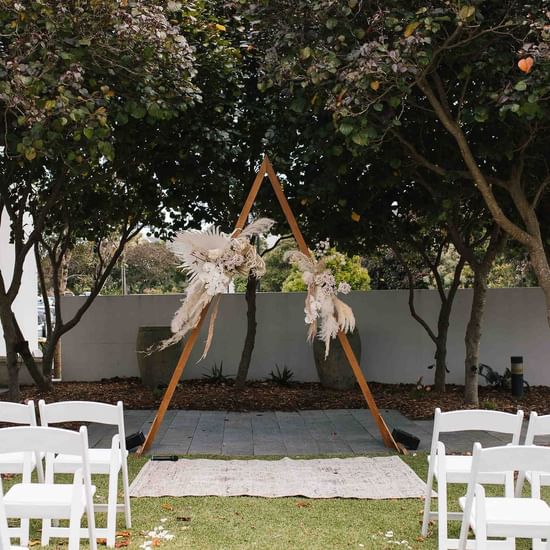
[156, 368]
[335, 371]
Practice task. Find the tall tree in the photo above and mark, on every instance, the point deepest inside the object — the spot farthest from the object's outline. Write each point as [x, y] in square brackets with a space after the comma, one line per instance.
[80, 82]
[474, 75]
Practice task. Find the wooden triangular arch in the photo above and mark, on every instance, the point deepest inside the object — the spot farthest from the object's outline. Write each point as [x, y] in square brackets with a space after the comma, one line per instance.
[267, 169]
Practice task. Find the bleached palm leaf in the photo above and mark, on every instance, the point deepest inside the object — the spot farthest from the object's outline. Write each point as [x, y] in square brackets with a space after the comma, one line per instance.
[192, 246]
[344, 316]
[258, 227]
[300, 260]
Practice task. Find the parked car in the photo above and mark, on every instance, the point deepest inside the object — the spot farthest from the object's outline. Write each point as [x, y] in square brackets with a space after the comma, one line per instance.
[41, 312]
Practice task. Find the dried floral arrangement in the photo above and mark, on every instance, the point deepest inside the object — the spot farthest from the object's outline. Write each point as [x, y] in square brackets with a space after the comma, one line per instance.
[212, 258]
[326, 314]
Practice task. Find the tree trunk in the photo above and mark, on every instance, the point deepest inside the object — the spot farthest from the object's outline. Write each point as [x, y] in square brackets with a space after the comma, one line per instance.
[250, 339]
[472, 337]
[539, 261]
[11, 355]
[441, 347]
[17, 345]
[440, 363]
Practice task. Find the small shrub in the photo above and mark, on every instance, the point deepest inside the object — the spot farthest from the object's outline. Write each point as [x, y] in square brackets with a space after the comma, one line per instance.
[281, 378]
[216, 375]
[490, 405]
[496, 380]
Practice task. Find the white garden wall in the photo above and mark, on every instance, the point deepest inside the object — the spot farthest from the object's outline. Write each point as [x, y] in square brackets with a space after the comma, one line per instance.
[395, 347]
[24, 306]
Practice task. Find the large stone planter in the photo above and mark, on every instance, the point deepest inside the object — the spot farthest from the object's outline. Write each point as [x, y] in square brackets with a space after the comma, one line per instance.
[156, 368]
[335, 371]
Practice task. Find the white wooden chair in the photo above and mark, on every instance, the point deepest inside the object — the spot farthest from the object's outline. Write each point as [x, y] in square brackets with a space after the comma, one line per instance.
[5, 543]
[102, 461]
[51, 500]
[538, 425]
[14, 463]
[456, 469]
[506, 516]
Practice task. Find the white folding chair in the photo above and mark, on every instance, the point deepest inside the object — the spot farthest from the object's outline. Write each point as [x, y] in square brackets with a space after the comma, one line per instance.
[102, 461]
[538, 425]
[456, 469]
[14, 463]
[5, 543]
[506, 516]
[51, 500]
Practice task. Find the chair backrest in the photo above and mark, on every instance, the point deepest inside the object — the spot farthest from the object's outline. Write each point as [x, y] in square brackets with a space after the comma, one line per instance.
[538, 425]
[470, 420]
[510, 458]
[84, 411]
[41, 439]
[17, 413]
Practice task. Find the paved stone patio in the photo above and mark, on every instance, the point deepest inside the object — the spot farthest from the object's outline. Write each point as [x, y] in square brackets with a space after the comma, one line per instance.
[349, 431]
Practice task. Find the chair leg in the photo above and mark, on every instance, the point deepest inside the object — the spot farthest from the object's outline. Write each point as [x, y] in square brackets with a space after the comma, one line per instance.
[74, 528]
[427, 505]
[112, 509]
[125, 484]
[442, 514]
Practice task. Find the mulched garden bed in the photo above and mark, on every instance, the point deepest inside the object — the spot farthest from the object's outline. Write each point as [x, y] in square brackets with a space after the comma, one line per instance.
[262, 396]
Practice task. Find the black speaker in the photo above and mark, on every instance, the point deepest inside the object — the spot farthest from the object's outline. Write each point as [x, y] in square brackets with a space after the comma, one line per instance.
[134, 440]
[408, 440]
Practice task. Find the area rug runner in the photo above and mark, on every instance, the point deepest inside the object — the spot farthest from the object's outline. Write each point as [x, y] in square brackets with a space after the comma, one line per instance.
[358, 477]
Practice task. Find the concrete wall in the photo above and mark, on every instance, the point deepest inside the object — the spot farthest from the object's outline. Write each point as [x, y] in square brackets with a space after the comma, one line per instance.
[395, 347]
[25, 303]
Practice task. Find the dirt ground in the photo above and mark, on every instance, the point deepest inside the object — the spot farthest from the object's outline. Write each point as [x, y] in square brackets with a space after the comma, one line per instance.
[415, 402]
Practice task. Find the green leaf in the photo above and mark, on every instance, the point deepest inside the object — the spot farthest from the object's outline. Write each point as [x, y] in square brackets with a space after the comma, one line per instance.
[298, 105]
[137, 111]
[88, 132]
[106, 149]
[466, 12]
[410, 28]
[481, 114]
[331, 23]
[305, 53]
[346, 128]
[361, 138]
[521, 86]
[30, 153]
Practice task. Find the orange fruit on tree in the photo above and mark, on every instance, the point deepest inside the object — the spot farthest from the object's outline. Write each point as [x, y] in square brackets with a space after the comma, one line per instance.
[526, 64]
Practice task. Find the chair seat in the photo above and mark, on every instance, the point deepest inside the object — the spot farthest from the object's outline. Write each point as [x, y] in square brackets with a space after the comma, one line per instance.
[12, 463]
[458, 468]
[506, 517]
[41, 500]
[100, 461]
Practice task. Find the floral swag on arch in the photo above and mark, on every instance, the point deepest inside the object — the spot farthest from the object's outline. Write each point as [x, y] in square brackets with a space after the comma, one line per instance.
[326, 314]
[212, 258]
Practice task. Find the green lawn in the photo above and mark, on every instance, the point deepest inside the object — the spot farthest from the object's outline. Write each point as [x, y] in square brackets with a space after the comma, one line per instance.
[239, 523]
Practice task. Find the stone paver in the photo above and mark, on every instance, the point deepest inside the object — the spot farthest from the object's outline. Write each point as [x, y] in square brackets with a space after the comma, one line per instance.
[337, 431]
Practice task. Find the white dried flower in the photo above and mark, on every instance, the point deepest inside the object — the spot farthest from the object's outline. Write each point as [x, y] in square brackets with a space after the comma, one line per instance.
[344, 288]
